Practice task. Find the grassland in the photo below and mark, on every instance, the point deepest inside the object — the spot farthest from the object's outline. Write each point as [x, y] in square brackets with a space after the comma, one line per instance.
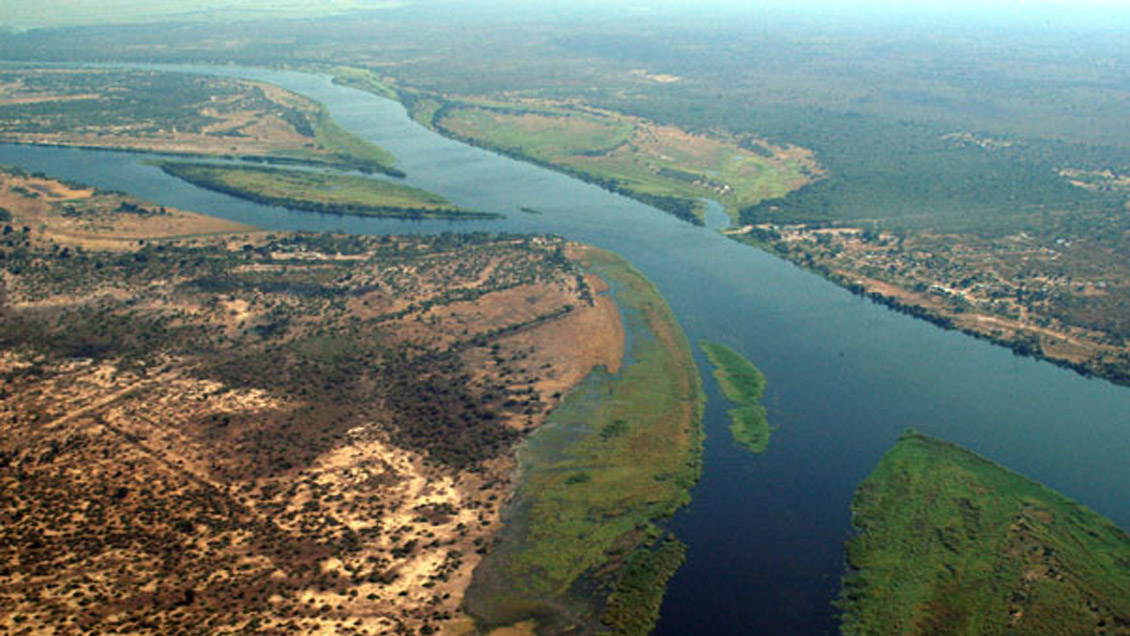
[620, 453]
[210, 429]
[362, 79]
[744, 385]
[951, 543]
[318, 191]
[660, 165]
[348, 150]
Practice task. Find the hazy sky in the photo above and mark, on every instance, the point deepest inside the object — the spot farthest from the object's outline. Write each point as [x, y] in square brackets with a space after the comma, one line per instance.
[1106, 14]
[1101, 13]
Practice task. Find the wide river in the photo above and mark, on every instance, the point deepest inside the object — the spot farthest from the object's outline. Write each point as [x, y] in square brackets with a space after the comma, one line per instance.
[845, 375]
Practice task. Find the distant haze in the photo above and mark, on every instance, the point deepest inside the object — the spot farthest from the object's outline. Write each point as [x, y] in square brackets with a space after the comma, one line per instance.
[22, 14]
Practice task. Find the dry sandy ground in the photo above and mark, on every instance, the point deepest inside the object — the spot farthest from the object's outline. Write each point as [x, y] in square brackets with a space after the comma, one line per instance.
[98, 223]
[129, 501]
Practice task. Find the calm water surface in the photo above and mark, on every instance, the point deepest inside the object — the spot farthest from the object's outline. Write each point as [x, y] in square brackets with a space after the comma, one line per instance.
[845, 375]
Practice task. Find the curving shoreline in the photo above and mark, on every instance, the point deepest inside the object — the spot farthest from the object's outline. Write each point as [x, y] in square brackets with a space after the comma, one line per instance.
[581, 548]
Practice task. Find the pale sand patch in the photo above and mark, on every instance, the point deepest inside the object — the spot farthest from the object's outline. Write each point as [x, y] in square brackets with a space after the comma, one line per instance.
[102, 227]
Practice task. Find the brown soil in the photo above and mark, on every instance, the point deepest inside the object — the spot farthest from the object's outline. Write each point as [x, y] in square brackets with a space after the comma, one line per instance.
[97, 221]
[206, 475]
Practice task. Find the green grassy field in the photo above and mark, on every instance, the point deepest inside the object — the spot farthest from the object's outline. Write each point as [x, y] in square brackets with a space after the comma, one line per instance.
[345, 145]
[546, 136]
[345, 150]
[621, 452]
[660, 165]
[317, 191]
[743, 384]
[951, 543]
[362, 79]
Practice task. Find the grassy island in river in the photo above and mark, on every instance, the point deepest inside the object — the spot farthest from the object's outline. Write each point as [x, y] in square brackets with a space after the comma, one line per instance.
[318, 191]
[743, 384]
[663, 166]
[951, 543]
[621, 452]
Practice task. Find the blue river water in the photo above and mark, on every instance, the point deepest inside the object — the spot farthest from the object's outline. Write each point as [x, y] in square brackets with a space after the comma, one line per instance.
[845, 376]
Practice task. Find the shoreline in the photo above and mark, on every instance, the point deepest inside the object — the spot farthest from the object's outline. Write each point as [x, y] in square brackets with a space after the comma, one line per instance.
[595, 480]
[1030, 346]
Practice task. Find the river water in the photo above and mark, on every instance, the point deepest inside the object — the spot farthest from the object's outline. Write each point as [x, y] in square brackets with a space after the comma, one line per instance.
[845, 376]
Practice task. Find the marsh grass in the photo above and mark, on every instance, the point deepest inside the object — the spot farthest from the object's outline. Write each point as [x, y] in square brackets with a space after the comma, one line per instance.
[743, 384]
[317, 191]
[950, 543]
[619, 454]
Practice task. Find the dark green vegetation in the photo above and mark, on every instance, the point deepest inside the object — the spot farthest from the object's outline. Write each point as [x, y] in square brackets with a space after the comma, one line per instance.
[743, 384]
[620, 453]
[912, 177]
[318, 191]
[633, 607]
[951, 543]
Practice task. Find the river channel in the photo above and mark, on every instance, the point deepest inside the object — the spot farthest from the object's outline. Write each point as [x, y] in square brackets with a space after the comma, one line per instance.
[845, 376]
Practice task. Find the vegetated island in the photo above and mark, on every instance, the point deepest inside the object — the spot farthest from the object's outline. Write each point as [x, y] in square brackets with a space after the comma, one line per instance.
[581, 552]
[744, 385]
[322, 192]
[208, 428]
[951, 543]
[178, 113]
[663, 166]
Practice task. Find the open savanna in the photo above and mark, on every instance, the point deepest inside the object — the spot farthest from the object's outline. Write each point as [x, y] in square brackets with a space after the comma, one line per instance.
[951, 543]
[661, 165]
[254, 432]
[318, 191]
[74, 216]
[177, 113]
[619, 454]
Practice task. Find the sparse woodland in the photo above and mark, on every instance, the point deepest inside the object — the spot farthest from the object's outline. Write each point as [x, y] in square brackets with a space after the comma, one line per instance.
[275, 433]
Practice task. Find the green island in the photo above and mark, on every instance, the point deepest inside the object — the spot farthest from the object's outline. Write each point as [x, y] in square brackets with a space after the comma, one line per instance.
[362, 79]
[331, 146]
[663, 166]
[318, 191]
[951, 543]
[581, 549]
[347, 149]
[743, 384]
